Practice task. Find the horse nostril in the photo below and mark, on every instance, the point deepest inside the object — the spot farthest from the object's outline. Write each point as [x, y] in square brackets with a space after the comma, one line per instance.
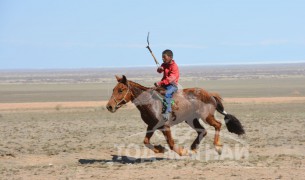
[109, 108]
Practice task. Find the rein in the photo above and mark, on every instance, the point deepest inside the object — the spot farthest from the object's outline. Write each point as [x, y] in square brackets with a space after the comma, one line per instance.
[159, 97]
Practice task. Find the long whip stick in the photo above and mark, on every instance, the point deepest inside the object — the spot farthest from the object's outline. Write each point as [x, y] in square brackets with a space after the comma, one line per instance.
[156, 61]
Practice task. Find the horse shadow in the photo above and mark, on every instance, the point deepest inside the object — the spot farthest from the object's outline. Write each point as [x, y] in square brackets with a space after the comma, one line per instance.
[121, 160]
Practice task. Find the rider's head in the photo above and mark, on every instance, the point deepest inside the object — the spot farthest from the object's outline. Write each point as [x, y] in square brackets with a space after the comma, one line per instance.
[167, 56]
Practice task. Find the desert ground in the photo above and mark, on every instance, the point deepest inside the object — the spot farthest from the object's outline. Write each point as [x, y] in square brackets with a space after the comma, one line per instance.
[54, 125]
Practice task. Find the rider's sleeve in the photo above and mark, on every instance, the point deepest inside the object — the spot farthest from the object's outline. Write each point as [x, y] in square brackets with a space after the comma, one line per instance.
[172, 77]
[161, 68]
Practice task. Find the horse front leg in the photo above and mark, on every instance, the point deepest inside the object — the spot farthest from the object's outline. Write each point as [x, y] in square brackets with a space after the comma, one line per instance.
[168, 136]
[149, 133]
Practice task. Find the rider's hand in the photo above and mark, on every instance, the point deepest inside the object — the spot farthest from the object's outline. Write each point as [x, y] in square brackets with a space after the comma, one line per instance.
[160, 69]
[156, 84]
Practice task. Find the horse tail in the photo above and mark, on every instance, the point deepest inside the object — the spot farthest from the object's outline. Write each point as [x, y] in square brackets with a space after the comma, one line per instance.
[232, 123]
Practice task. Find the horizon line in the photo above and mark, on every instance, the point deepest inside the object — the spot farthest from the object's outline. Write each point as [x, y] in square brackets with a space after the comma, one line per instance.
[147, 66]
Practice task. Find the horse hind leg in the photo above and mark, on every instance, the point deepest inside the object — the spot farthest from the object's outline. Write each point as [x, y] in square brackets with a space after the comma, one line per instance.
[217, 125]
[201, 133]
[149, 133]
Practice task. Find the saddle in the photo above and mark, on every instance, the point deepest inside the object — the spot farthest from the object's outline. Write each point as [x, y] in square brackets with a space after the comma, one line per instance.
[161, 90]
[160, 95]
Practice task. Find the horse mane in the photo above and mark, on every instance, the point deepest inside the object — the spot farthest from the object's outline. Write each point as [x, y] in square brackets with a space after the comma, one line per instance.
[159, 89]
[134, 84]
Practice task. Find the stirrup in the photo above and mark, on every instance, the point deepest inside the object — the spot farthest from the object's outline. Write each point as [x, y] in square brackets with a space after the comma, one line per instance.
[166, 116]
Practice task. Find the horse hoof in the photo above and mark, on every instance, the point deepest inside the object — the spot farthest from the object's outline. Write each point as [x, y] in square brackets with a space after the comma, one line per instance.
[184, 152]
[159, 149]
[193, 153]
[218, 149]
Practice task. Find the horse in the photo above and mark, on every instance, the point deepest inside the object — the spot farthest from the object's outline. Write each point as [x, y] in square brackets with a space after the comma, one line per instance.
[190, 105]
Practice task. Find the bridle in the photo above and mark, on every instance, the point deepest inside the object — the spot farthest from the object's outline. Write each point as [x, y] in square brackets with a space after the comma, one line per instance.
[118, 104]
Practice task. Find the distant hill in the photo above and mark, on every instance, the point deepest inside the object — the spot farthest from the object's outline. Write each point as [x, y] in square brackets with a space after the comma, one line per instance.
[140, 73]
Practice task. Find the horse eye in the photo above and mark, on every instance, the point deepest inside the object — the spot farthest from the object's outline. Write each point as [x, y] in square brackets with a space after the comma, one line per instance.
[120, 90]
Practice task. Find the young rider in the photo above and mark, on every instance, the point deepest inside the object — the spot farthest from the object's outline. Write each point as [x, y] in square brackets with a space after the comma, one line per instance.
[169, 80]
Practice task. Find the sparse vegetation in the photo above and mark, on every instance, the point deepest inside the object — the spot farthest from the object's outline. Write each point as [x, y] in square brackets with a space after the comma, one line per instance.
[58, 107]
[49, 144]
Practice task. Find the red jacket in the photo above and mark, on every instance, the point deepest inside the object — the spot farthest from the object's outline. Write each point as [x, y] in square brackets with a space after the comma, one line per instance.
[170, 74]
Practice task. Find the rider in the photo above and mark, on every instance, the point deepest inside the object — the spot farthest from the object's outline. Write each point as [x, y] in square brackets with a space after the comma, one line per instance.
[169, 80]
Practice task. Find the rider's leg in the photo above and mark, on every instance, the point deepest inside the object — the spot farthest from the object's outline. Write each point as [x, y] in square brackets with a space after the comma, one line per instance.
[170, 90]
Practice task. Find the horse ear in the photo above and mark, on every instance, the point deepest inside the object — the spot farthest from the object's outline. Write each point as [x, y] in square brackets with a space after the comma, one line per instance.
[118, 78]
[124, 80]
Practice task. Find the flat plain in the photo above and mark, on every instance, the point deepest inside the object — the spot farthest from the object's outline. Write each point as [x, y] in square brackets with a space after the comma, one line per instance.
[54, 125]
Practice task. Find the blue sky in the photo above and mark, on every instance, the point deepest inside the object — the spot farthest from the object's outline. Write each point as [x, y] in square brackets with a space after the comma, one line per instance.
[112, 33]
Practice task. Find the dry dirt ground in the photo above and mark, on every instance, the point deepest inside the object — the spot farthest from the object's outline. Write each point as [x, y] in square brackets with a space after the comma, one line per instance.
[82, 140]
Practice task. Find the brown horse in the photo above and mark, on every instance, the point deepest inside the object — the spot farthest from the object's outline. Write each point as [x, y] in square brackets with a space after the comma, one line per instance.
[190, 105]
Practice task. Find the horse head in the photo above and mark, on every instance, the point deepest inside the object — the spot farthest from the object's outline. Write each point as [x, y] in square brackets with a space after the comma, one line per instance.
[121, 94]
